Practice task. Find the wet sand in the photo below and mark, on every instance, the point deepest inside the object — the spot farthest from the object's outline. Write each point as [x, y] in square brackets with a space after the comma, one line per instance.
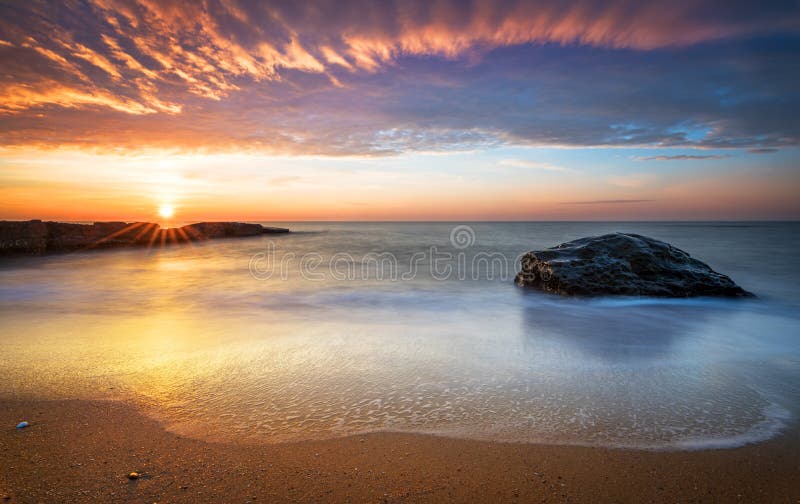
[81, 451]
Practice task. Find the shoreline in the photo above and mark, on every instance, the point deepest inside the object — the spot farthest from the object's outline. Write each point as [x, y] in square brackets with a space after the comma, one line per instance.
[81, 451]
[762, 432]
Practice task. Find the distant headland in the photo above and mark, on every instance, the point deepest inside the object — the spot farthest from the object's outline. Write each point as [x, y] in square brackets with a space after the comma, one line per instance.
[35, 237]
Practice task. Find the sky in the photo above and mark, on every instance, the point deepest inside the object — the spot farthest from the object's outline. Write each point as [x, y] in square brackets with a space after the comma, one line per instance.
[399, 110]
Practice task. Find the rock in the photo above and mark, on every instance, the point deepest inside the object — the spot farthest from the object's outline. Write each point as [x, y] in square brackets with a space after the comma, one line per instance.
[622, 264]
[274, 230]
[65, 237]
[133, 475]
[37, 237]
[210, 230]
[26, 237]
[22, 425]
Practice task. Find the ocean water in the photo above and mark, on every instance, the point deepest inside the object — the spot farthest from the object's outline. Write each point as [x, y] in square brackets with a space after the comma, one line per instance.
[345, 328]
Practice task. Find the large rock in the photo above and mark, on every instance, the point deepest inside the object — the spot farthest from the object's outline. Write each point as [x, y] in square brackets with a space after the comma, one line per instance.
[622, 264]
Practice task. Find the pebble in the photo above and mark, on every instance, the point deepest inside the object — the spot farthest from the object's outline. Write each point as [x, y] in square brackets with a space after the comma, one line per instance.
[133, 475]
[22, 425]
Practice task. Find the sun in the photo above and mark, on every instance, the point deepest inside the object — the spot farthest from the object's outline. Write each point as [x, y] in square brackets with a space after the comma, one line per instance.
[166, 211]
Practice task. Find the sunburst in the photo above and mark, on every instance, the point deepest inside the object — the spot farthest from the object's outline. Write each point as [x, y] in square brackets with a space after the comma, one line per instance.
[166, 211]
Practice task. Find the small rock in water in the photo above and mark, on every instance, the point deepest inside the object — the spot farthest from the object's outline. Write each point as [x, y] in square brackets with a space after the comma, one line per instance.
[22, 425]
[133, 475]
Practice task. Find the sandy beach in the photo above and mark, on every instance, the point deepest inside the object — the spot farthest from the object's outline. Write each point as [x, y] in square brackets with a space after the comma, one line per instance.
[81, 451]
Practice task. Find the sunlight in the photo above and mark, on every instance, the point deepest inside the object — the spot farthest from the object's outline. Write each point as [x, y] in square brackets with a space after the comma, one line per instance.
[166, 211]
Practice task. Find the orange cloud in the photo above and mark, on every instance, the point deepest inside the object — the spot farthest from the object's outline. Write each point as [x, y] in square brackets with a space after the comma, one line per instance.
[331, 77]
[209, 45]
[98, 60]
[16, 98]
[130, 61]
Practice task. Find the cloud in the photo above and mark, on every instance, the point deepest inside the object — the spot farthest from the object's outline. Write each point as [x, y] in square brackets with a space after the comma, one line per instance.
[365, 78]
[534, 165]
[762, 150]
[283, 180]
[634, 180]
[608, 202]
[16, 98]
[682, 157]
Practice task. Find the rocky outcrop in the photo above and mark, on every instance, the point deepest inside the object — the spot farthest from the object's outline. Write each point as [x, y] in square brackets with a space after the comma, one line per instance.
[212, 230]
[37, 237]
[62, 236]
[26, 237]
[622, 264]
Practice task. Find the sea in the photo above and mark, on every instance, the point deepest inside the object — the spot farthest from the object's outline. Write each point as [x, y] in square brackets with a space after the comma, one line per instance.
[343, 328]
